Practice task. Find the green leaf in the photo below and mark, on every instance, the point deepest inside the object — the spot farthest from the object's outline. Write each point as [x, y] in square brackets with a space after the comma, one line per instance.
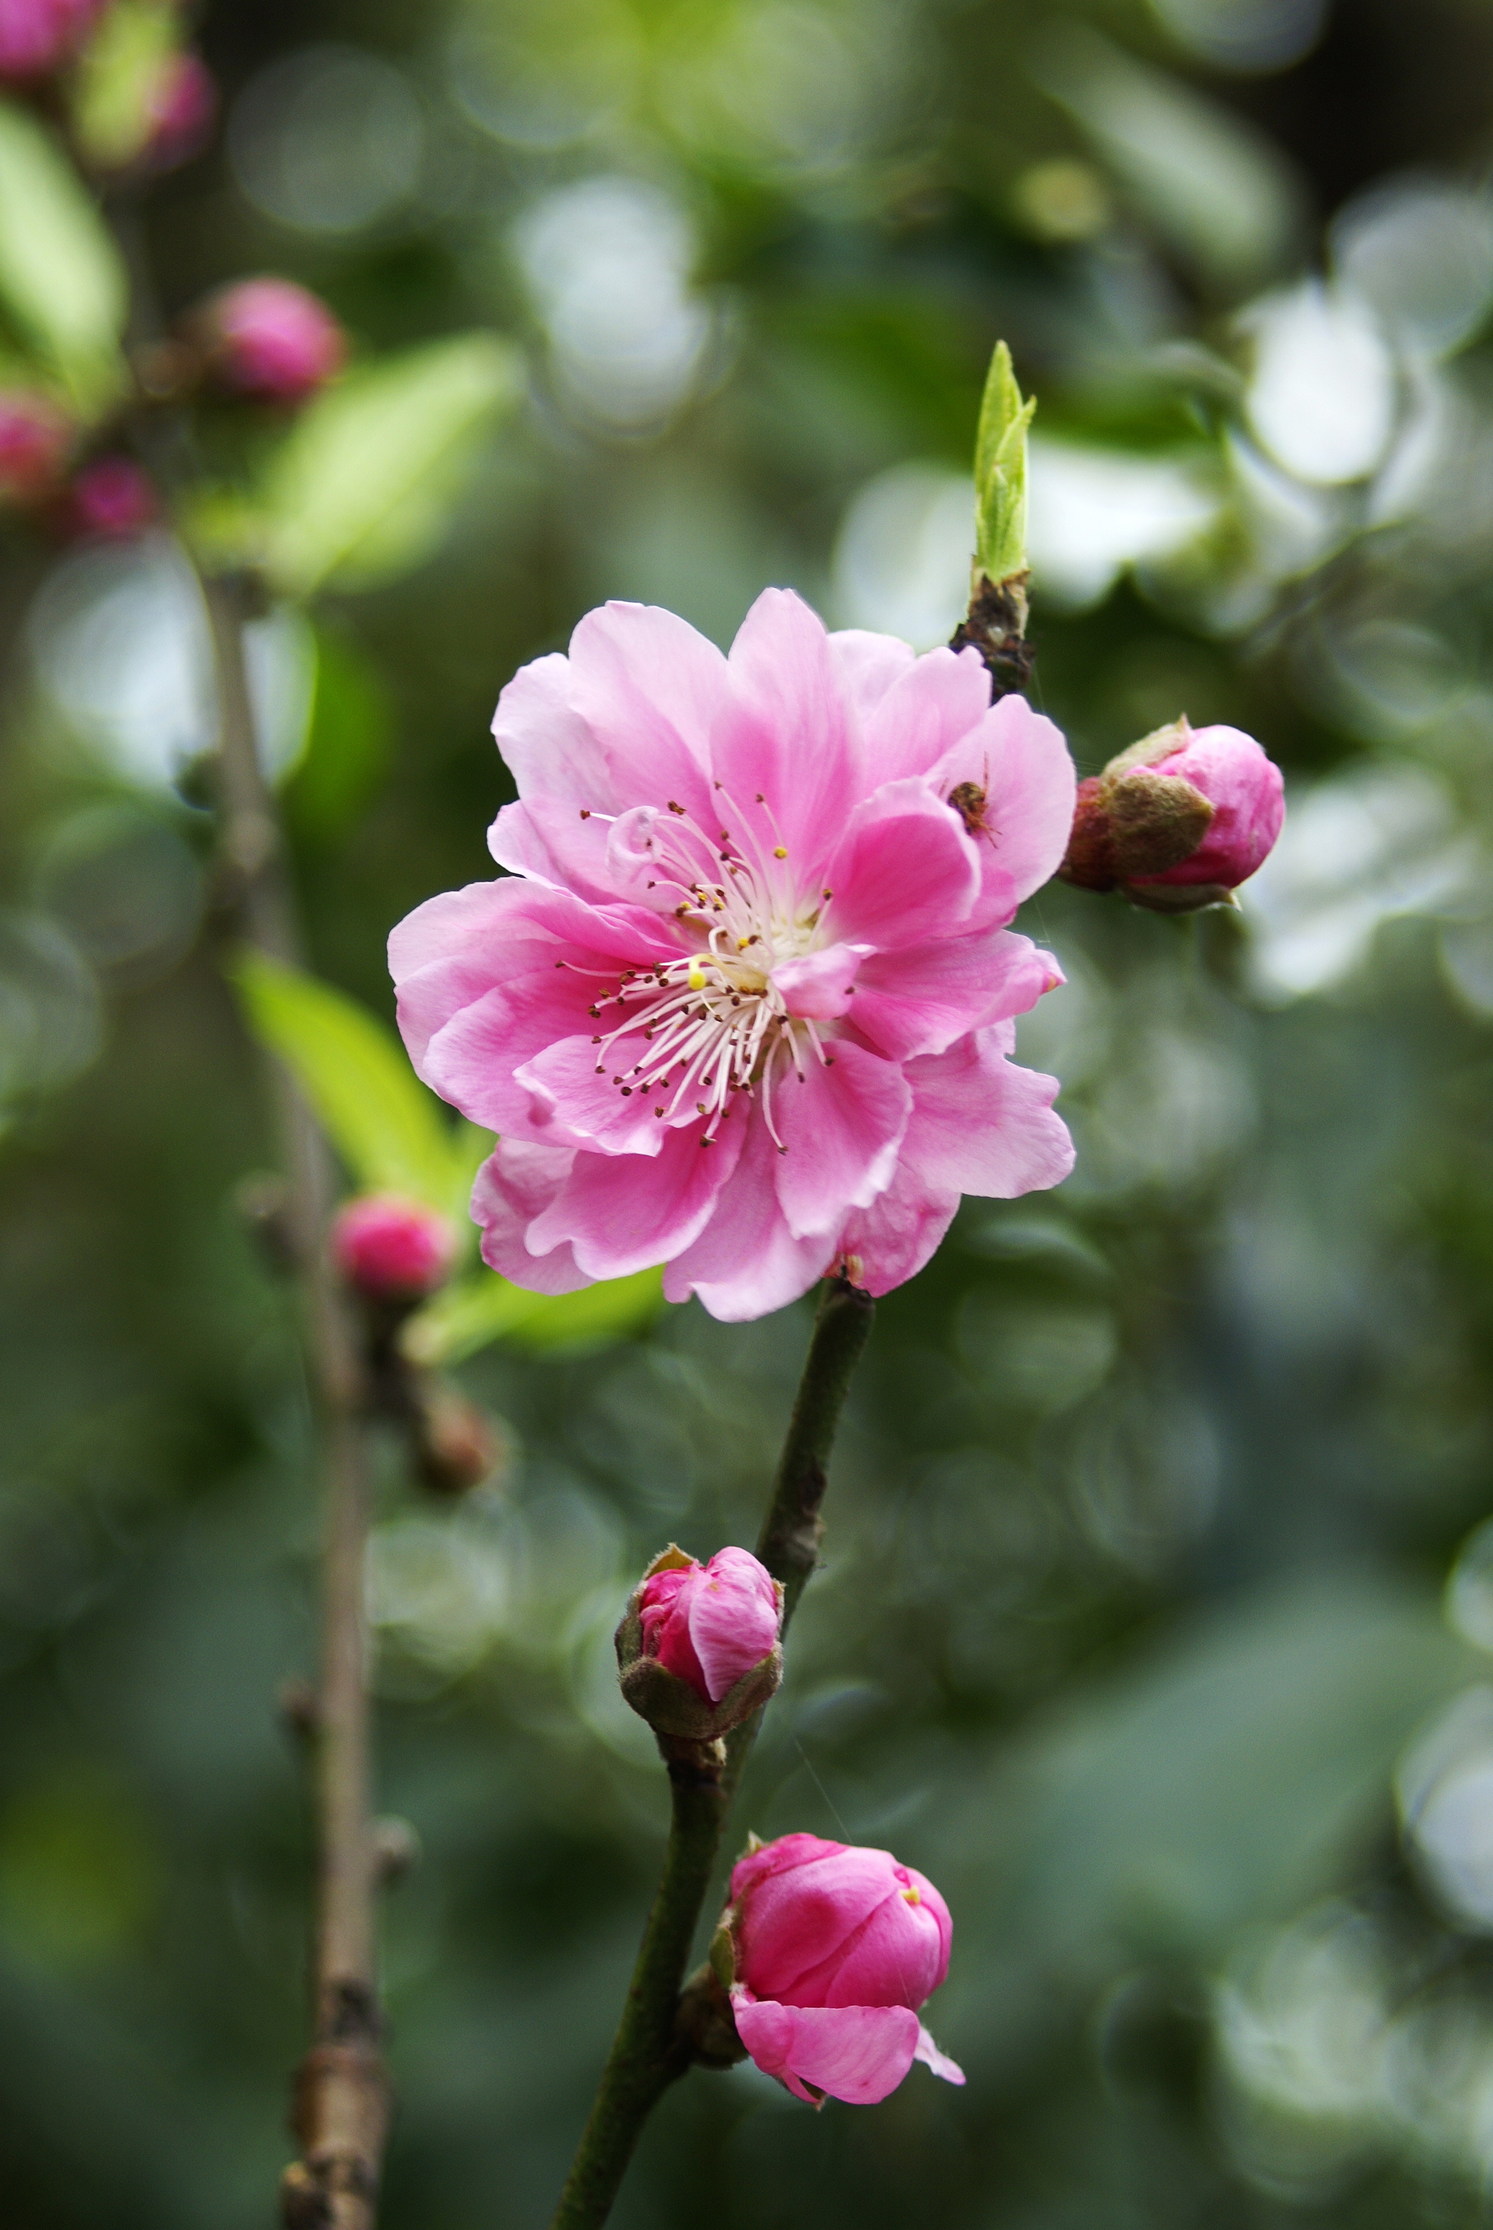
[119, 78]
[385, 1125]
[61, 277]
[1000, 472]
[365, 483]
[478, 1310]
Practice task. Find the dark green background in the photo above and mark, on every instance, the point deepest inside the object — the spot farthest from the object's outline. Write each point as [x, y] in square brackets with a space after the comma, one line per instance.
[1149, 1487]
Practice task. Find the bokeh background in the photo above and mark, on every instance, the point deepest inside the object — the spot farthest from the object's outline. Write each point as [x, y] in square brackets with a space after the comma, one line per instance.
[1156, 1618]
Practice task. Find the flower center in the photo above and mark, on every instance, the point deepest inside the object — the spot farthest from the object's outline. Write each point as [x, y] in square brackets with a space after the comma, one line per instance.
[713, 1021]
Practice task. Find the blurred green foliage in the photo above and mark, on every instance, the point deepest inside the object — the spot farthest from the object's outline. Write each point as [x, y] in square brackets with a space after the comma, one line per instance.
[1131, 1633]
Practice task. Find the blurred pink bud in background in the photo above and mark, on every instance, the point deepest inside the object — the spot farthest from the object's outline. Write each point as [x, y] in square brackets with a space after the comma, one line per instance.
[835, 1950]
[392, 1249]
[38, 35]
[710, 1623]
[273, 339]
[113, 499]
[183, 108]
[34, 438]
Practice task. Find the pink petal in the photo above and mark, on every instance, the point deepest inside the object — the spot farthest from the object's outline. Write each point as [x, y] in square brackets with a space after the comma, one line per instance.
[905, 869]
[895, 1957]
[788, 740]
[585, 1108]
[746, 1262]
[621, 1213]
[547, 745]
[651, 689]
[841, 1123]
[919, 1000]
[548, 839]
[932, 707]
[980, 1124]
[889, 1242]
[795, 1917]
[514, 1185]
[1021, 762]
[819, 984]
[733, 1619]
[928, 2052]
[866, 666]
[858, 2053]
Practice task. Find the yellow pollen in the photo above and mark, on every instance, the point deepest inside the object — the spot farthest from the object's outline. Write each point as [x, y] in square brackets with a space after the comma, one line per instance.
[696, 977]
[913, 1896]
[780, 851]
[743, 942]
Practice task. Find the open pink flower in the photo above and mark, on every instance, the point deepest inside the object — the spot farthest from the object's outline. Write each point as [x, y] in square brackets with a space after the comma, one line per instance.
[745, 1003]
[835, 1951]
[710, 1623]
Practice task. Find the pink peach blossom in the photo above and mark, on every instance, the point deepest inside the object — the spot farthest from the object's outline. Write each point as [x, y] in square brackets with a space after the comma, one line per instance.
[835, 1950]
[1247, 795]
[756, 905]
[710, 1623]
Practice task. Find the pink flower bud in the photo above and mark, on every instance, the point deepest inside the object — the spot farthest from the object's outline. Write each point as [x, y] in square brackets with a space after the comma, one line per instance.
[1179, 820]
[392, 1249]
[37, 36]
[112, 499]
[182, 110]
[34, 438]
[697, 1649]
[273, 339]
[710, 1623]
[831, 1952]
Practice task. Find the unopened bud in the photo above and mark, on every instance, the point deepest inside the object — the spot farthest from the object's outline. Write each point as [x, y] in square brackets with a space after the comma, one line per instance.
[37, 36]
[1178, 821]
[698, 1649]
[34, 440]
[183, 107]
[271, 339]
[392, 1249]
[457, 1446]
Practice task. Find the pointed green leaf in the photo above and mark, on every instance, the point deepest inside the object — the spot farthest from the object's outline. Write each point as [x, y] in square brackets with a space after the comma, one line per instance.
[364, 484]
[386, 1126]
[61, 278]
[478, 1310]
[1000, 472]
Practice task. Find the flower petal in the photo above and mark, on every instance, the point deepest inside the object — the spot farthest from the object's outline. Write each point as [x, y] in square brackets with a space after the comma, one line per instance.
[819, 984]
[733, 1618]
[886, 1244]
[514, 1185]
[841, 1123]
[859, 2053]
[1020, 761]
[746, 1262]
[982, 1125]
[905, 870]
[927, 2051]
[621, 1213]
[548, 747]
[932, 706]
[787, 739]
[921, 999]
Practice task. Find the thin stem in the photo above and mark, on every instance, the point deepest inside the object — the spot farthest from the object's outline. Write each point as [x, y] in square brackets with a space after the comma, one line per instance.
[341, 2090]
[648, 2052]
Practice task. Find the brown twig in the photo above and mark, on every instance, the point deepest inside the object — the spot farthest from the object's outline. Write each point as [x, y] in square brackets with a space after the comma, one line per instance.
[341, 2089]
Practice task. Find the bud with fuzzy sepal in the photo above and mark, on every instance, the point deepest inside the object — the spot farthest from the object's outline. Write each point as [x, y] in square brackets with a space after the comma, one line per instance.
[391, 1249]
[698, 1649]
[271, 340]
[1178, 821]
